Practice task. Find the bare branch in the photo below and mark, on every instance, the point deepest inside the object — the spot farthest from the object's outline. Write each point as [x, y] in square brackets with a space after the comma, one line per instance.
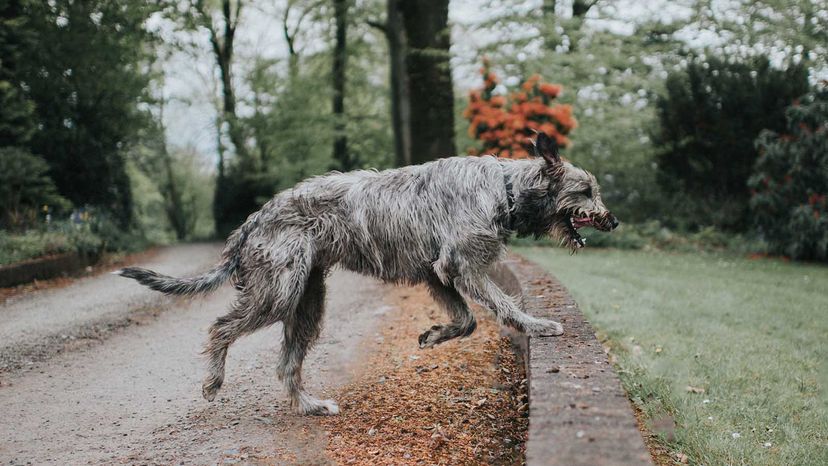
[383, 27]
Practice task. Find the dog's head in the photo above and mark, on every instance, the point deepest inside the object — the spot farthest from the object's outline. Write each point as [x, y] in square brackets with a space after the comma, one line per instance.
[576, 195]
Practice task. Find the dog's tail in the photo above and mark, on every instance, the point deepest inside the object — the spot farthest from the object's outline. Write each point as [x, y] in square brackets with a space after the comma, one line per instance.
[209, 281]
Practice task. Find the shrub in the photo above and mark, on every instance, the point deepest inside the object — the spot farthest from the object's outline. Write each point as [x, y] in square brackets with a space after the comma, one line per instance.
[505, 124]
[709, 117]
[790, 182]
[58, 238]
[25, 188]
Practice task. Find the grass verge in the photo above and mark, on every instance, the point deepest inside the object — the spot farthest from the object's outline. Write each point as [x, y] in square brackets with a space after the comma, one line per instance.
[725, 357]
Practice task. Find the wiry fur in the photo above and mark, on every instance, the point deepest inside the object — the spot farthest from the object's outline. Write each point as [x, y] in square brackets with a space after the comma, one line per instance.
[443, 223]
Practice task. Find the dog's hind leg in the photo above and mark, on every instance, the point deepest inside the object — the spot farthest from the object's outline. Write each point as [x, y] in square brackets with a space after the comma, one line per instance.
[301, 330]
[462, 320]
[245, 316]
[482, 289]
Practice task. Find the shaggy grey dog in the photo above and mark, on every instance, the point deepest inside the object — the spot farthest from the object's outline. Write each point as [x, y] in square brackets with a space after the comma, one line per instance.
[443, 223]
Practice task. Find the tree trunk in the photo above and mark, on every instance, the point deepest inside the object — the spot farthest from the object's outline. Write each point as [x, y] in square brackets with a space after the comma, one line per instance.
[342, 159]
[400, 97]
[581, 7]
[175, 205]
[223, 49]
[429, 79]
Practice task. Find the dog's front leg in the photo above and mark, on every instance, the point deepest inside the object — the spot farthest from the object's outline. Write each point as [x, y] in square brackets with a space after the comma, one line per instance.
[482, 289]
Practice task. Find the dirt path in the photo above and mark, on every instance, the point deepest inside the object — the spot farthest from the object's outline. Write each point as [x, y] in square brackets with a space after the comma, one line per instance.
[130, 393]
[35, 326]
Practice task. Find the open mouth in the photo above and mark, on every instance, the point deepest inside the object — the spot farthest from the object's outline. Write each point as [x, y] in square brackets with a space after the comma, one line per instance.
[572, 223]
[576, 241]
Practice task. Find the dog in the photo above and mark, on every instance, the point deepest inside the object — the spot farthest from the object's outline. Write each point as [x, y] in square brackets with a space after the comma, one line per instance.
[443, 223]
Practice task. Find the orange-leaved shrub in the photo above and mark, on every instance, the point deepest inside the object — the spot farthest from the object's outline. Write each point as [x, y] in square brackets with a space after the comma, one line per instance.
[505, 125]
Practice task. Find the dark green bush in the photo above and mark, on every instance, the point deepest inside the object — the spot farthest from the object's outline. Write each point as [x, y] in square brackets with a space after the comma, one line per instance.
[790, 181]
[25, 189]
[709, 117]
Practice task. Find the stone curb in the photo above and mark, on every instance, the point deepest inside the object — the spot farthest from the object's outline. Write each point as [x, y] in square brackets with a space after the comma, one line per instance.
[579, 413]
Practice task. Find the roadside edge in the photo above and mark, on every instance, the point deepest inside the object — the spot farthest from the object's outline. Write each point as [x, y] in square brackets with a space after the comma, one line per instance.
[579, 413]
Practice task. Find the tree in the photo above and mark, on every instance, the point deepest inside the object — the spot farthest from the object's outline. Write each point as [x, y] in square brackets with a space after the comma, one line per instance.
[222, 33]
[422, 96]
[342, 158]
[16, 41]
[87, 80]
[25, 187]
[790, 182]
[152, 157]
[431, 95]
[235, 195]
[709, 117]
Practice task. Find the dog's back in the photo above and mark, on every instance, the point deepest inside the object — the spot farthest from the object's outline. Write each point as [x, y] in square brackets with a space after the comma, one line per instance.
[393, 223]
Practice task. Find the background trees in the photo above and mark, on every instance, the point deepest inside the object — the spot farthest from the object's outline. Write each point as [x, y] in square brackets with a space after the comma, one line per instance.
[669, 98]
[708, 119]
[86, 86]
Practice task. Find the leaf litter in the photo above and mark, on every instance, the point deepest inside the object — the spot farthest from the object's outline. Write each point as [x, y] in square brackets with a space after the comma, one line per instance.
[461, 402]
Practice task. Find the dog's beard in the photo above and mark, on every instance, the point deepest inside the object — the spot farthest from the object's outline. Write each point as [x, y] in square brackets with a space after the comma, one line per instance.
[566, 225]
[563, 229]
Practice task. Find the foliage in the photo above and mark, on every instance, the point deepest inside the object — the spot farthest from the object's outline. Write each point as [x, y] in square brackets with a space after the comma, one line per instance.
[506, 124]
[740, 329]
[172, 189]
[709, 117]
[791, 28]
[790, 181]
[656, 236]
[25, 189]
[58, 238]
[86, 77]
[291, 129]
[16, 123]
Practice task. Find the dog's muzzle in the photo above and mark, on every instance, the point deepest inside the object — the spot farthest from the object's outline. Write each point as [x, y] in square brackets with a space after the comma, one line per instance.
[606, 222]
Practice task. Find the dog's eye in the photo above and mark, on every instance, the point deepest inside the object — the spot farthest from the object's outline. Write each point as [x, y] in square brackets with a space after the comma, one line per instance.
[587, 192]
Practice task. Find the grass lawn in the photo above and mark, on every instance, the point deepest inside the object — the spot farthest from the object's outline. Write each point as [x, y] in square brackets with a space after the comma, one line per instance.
[753, 334]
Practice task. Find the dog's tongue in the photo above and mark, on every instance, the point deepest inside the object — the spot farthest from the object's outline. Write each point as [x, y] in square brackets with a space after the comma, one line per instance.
[581, 222]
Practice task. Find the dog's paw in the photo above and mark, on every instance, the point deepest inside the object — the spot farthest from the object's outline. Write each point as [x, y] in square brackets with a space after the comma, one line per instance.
[319, 408]
[545, 328]
[208, 391]
[431, 337]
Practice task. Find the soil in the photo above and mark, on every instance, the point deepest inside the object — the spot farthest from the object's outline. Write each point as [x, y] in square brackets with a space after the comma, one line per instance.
[660, 454]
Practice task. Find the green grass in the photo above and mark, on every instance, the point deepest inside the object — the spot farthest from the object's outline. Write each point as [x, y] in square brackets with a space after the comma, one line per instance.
[752, 333]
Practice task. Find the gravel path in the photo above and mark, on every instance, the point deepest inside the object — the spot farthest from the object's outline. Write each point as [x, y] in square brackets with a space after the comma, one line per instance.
[130, 393]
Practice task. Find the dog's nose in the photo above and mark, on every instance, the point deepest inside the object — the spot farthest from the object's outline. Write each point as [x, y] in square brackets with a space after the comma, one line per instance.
[613, 222]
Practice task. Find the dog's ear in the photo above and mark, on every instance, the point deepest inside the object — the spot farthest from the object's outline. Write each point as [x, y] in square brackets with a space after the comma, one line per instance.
[547, 148]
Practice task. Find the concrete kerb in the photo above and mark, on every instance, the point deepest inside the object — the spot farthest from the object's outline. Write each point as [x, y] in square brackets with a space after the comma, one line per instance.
[579, 413]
